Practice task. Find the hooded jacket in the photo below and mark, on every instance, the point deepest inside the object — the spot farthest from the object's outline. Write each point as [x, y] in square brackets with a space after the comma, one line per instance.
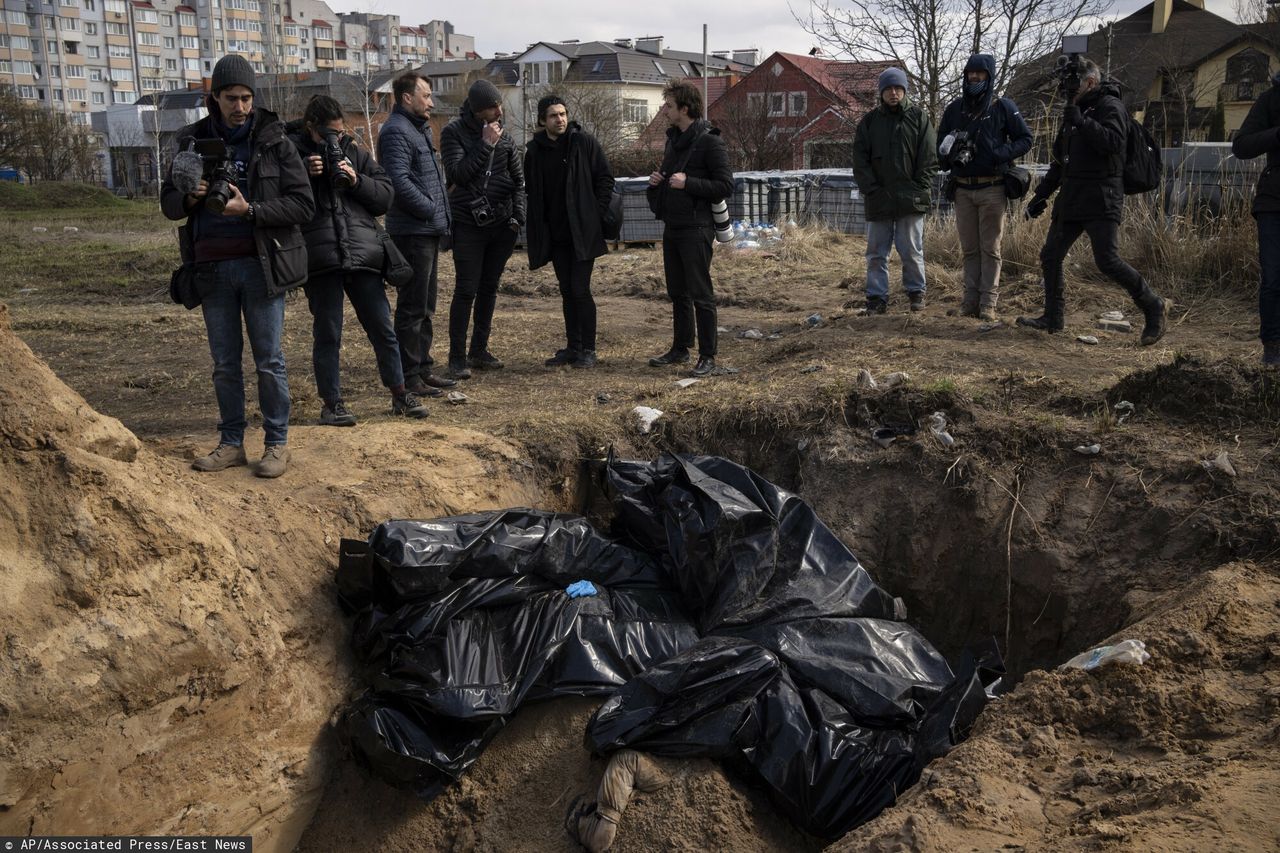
[587, 189]
[1258, 135]
[1087, 166]
[342, 236]
[895, 156]
[700, 153]
[466, 159]
[279, 191]
[406, 152]
[999, 132]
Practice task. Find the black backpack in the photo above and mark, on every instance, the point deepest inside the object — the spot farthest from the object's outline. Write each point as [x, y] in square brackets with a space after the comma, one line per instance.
[1143, 167]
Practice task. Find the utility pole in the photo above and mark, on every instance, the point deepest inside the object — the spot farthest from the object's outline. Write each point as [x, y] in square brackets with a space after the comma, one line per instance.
[705, 104]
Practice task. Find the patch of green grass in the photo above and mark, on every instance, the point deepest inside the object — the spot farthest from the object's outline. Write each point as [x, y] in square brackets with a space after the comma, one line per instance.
[56, 194]
[74, 267]
[941, 386]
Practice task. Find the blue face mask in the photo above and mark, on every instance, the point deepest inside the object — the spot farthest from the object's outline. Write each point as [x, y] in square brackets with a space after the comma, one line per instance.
[975, 89]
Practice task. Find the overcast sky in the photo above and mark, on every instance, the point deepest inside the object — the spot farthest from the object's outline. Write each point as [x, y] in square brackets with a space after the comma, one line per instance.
[511, 25]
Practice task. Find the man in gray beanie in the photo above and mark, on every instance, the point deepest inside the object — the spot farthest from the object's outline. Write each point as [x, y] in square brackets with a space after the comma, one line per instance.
[242, 245]
[486, 197]
[894, 161]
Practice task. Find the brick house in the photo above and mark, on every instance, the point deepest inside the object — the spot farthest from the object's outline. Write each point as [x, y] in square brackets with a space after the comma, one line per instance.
[796, 112]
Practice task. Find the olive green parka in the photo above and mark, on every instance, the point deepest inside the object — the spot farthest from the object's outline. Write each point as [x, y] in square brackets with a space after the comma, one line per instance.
[894, 160]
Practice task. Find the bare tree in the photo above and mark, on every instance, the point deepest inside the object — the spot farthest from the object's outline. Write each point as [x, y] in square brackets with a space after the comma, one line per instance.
[1251, 11]
[754, 140]
[43, 143]
[930, 39]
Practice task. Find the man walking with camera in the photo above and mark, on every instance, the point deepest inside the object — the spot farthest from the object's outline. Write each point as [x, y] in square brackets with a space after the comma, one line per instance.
[486, 196]
[569, 186]
[894, 160]
[694, 174]
[245, 256]
[419, 217]
[981, 136]
[1087, 170]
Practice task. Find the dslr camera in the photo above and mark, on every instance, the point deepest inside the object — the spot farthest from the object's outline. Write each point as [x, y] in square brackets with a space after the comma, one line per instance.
[209, 160]
[1070, 67]
[332, 156]
[481, 211]
[958, 148]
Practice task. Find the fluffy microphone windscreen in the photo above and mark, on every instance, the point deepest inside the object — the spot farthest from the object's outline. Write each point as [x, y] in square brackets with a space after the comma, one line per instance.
[188, 169]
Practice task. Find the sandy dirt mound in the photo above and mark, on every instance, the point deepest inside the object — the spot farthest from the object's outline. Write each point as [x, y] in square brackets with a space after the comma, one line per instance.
[172, 651]
[1176, 754]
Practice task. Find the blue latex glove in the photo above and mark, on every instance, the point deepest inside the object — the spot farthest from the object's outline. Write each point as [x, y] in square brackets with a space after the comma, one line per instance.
[578, 589]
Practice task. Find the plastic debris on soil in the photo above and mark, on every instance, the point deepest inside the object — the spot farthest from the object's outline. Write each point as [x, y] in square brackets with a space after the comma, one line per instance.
[727, 621]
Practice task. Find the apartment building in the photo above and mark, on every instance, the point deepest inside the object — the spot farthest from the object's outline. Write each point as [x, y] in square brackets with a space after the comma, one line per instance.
[80, 56]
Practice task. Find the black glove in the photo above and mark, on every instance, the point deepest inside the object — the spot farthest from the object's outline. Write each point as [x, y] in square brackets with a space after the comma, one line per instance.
[1072, 115]
[1036, 207]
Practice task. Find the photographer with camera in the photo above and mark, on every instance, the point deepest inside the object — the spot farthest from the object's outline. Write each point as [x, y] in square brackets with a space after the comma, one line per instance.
[1087, 171]
[242, 243]
[693, 177]
[486, 195]
[417, 221]
[345, 253]
[570, 186]
[1258, 135]
[981, 136]
[895, 157]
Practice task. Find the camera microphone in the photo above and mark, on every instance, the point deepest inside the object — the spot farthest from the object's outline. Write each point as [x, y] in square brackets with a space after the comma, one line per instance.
[187, 171]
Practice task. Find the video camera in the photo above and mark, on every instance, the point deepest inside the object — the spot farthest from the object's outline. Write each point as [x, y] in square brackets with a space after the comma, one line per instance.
[210, 160]
[333, 158]
[1070, 67]
[958, 148]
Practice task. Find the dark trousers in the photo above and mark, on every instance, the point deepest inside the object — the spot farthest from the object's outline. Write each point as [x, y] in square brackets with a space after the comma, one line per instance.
[579, 307]
[415, 303]
[1269, 291]
[686, 259]
[1104, 238]
[324, 297]
[479, 257]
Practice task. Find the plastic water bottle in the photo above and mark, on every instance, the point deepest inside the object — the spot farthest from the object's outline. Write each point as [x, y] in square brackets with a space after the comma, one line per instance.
[1127, 651]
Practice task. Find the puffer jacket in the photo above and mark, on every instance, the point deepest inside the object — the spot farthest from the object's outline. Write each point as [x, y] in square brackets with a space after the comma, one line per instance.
[466, 159]
[280, 193]
[999, 132]
[588, 189]
[708, 176]
[406, 152]
[1258, 135]
[895, 156]
[343, 234]
[1087, 167]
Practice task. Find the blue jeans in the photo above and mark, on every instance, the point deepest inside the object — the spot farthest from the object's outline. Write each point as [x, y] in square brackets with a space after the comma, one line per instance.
[1269, 291]
[229, 289]
[907, 234]
[324, 296]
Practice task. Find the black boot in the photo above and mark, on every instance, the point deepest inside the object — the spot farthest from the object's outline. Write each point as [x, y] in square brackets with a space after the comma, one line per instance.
[1156, 313]
[1055, 308]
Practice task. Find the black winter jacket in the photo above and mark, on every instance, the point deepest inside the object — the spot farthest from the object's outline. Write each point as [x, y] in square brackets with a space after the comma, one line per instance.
[466, 158]
[1088, 161]
[281, 198]
[709, 178]
[1260, 134]
[588, 188]
[343, 234]
[998, 129]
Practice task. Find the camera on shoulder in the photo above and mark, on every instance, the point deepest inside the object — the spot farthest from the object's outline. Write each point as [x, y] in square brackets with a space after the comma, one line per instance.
[1070, 67]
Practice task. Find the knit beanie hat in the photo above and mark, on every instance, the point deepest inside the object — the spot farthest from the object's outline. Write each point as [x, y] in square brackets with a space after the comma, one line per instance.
[232, 70]
[483, 95]
[892, 77]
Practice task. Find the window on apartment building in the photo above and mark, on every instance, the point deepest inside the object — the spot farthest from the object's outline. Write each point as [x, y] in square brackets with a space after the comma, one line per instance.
[254, 26]
[57, 94]
[90, 28]
[114, 29]
[23, 66]
[324, 53]
[171, 65]
[306, 55]
[119, 51]
[204, 45]
[291, 50]
[71, 3]
[190, 63]
[70, 25]
[6, 66]
[799, 104]
[170, 43]
[81, 119]
[777, 104]
[94, 52]
[150, 39]
[55, 72]
[217, 23]
[166, 20]
[122, 75]
[635, 110]
[117, 6]
[152, 84]
[222, 45]
[95, 75]
[27, 92]
[75, 72]
[146, 16]
[71, 47]
[147, 60]
[50, 22]
[98, 98]
[237, 24]
[122, 96]
[15, 17]
[186, 19]
[172, 85]
[20, 42]
[77, 95]
[290, 30]
[91, 5]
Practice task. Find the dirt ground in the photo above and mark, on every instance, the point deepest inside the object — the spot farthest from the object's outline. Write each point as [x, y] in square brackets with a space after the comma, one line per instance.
[191, 618]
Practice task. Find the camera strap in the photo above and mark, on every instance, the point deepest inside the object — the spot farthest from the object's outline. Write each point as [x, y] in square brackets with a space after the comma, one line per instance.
[488, 171]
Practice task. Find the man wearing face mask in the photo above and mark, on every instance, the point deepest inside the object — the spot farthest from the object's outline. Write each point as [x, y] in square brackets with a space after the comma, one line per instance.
[245, 257]
[1087, 172]
[981, 135]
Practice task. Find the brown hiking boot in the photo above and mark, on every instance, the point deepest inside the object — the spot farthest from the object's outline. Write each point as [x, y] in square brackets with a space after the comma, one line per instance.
[223, 456]
[274, 462]
[987, 315]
